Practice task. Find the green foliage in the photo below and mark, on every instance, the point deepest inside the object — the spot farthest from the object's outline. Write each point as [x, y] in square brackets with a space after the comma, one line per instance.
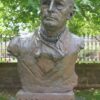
[18, 14]
[87, 17]
[21, 14]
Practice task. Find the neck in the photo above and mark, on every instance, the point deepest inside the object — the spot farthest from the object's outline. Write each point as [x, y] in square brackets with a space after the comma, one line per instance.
[53, 33]
[51, 36]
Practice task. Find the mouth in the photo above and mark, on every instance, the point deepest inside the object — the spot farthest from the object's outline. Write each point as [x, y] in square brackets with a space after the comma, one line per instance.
[50, 18]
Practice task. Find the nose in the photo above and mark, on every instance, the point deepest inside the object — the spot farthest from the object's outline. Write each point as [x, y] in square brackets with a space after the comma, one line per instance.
[51, 5]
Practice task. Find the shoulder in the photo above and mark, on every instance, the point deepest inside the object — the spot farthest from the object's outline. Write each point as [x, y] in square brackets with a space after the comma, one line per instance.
[14, 45]
[17, 43]
[77, 41]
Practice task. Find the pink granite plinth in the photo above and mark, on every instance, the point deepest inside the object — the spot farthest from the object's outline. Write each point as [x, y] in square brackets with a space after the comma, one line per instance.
[45, 96]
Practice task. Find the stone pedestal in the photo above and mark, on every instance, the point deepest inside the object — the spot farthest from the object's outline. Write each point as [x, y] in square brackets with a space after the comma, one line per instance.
[45, 96]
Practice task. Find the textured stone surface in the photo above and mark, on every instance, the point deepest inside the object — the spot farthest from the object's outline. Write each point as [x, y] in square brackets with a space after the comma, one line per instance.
[45, 96]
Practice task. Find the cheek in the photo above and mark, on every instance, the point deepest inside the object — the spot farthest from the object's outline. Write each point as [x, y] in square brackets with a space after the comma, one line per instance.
[64, 12]
[63, 16]
[43, 10]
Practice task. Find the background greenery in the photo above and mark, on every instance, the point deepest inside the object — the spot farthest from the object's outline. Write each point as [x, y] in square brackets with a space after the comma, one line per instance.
[18, 15]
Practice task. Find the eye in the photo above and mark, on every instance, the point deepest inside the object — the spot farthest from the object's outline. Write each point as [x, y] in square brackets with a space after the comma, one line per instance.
[59, 5]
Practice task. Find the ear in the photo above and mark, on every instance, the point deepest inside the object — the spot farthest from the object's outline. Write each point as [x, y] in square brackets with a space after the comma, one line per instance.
[70, 12]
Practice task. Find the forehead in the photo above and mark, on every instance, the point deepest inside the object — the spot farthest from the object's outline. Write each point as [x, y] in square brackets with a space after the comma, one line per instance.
[66, 2]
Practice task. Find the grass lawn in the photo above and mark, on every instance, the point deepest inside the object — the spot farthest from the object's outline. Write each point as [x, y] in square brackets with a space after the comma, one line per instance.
[91, 94]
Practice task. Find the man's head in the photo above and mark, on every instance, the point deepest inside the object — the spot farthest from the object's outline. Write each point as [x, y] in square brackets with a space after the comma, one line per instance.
[55, 13]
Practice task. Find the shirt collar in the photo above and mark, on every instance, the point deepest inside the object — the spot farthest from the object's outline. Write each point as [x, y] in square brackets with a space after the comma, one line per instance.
[63, 43]
[50, 39]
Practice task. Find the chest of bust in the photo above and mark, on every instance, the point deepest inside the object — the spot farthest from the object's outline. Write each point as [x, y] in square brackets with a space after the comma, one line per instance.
[44, 63]
[47, 65]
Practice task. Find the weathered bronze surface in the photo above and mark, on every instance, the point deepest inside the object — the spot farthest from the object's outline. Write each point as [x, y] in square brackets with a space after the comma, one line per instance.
[46, 58]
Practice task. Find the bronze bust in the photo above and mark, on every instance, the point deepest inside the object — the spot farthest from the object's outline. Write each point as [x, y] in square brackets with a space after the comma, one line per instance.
[46, 58]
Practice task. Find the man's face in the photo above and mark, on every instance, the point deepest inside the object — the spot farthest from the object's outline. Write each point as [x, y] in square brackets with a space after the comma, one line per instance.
[54, 13]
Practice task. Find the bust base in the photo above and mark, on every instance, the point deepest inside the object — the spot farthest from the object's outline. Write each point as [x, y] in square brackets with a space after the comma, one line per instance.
[44, 96]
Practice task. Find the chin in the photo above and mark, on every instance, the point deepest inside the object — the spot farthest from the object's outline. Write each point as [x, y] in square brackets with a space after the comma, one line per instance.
[50, 24]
